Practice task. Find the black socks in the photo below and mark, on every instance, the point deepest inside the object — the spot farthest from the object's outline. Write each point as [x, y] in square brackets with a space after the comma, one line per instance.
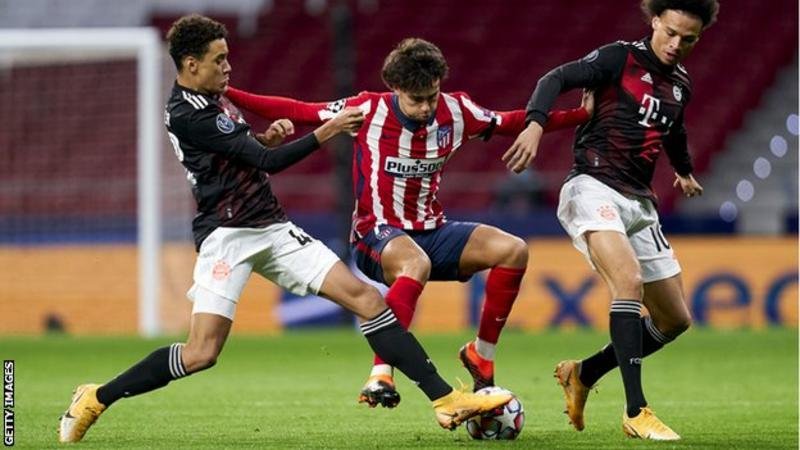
[153, 372]
[594, 367]
[384, 333]
[399, 348]
[626, 337]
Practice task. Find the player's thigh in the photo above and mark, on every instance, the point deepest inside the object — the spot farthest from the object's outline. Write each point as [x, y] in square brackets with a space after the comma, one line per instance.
[295, 260]
[488, 247]
[402, 256]
[387, 252]
[444, 248]
[344, 288]
[614, 258]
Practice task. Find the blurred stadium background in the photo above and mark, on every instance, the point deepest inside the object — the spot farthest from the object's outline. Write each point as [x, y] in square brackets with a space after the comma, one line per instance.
[71, 190]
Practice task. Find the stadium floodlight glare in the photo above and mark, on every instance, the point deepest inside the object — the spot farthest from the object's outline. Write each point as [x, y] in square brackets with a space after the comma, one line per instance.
[144, 45]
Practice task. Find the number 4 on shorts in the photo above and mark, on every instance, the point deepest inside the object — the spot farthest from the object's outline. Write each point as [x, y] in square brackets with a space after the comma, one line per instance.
[301, 237]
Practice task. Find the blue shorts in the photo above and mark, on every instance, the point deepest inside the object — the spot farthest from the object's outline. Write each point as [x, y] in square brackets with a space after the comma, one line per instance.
[443, 246]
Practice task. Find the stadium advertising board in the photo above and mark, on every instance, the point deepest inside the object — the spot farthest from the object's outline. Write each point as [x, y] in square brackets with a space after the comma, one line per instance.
[729, 282]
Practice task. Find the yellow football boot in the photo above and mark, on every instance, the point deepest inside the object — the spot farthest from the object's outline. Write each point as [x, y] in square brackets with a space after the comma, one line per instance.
[647, 426]
[81, 414]
[575, 393]
[458, 406]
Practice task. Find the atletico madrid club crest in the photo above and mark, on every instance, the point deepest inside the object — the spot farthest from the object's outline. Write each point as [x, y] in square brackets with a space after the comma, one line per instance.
[444, 136]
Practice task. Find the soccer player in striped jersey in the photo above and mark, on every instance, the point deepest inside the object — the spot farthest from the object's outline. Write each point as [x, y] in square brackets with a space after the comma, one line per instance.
[400, 236]
[241, 228]
[607, 204]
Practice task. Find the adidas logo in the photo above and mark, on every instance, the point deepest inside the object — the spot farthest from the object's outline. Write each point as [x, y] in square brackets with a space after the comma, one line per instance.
[647, 78]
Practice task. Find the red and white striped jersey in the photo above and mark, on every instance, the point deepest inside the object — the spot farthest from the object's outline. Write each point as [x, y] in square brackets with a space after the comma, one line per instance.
[398, 163]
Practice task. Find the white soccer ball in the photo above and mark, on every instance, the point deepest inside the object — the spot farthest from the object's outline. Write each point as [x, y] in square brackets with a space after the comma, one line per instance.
[505, 422]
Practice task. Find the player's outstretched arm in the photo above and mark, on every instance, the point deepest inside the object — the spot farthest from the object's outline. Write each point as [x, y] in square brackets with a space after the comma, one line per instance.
[276, 159]
[570, 118]
[525, 147]
[513, 122]
[273, 107]
[485, 123]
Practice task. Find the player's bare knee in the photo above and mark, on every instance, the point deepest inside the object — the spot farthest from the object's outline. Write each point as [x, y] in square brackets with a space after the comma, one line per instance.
[417, 267]
[628, 286]
[679, 327]
[196, 359]
[672, 327]
[517, 252]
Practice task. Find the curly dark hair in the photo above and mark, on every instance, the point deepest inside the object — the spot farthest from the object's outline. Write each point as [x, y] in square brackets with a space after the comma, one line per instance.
[706, 10]
[415, 64]
[190, 36]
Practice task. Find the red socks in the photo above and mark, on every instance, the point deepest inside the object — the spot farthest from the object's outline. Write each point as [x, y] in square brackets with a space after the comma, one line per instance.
[402, 299]
[502, 287]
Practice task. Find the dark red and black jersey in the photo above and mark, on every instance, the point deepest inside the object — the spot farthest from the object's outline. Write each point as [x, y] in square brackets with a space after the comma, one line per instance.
[225, 165]
[639, 105]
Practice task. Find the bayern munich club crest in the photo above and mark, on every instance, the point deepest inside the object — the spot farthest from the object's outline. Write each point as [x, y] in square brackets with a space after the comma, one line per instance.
[221, 271]
[607, 212]
[444, 136]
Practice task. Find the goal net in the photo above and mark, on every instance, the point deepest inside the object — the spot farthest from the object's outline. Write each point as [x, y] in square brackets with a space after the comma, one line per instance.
[95, 209]
[81, 193]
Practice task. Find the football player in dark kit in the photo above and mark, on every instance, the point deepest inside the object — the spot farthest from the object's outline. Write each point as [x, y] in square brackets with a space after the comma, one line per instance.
[241, 228]
[607, 205]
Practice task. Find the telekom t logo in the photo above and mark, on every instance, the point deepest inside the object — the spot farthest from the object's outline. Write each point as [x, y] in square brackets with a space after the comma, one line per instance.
[649, 110]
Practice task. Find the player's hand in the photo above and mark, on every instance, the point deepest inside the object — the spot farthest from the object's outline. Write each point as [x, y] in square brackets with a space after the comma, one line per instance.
[348, 121]
[524, 148]
[587, 101]
[688, 184]
[276, 133]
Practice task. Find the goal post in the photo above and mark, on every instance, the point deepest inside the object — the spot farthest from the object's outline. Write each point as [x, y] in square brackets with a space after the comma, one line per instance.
[25, 46]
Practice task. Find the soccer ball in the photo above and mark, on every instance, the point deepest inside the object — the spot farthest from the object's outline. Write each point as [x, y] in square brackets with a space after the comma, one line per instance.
[505, 422]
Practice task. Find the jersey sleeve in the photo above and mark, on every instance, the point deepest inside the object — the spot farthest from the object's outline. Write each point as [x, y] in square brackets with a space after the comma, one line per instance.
[677, 148]
[213, 131]
[479, 121]
[483, 123]
[598, 67]
[303, 113]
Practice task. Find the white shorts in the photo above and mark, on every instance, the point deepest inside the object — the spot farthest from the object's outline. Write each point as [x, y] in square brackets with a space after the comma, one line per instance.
[586, 204]
[282, 253]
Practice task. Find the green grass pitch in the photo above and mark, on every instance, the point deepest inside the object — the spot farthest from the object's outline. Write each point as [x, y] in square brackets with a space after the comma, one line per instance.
[717, 389]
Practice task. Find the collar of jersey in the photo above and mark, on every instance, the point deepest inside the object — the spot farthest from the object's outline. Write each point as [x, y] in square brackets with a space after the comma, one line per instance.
[651, 55]
[407, 122]
[192, 91]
